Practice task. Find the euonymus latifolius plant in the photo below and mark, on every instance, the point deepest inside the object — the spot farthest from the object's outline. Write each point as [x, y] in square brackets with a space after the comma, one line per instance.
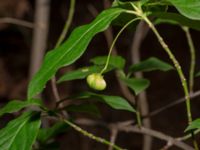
[25, 132]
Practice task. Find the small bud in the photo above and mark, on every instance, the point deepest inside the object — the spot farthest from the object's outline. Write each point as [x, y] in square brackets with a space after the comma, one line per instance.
[96, 81]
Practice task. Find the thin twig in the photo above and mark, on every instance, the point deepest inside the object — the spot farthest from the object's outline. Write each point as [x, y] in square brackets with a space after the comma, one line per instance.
[127, 126]
[158, 135]
[91, 136]
[140, 33]
[175, 102]
[60, 40]
[113, 137]
[18, 22]
[41, 26]
[191, 71]
[67, 24]
[192, 58]
[186, 137]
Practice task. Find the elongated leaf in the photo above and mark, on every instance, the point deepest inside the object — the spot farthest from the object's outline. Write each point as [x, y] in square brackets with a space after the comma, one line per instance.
[116, 102]
[84, 108]
[151, 64]
[194, 125]
[20, 133]
[71, 50]
[137, 85]
[188, 8]
[115, 61]
[14, 106]
[80, 73]
[47, 133]
[176, 19]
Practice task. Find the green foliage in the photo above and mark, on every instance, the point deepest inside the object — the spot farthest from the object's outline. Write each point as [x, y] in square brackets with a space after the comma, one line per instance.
[116, 62]
[84, 108]
[197, 74]
[188, 8]
[47, 133]
[70, 50]
[135, 84]
[14, 106]
[80, 73]
[151, 64]
[115, 102]
[20, 133]
[175, 19]
[194, 125]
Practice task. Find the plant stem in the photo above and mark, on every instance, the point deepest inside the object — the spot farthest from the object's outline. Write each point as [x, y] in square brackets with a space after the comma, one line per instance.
[192, 58]
[192, 67]
[67, 24]
[180, 73]
[59, 41]
[138, 117]
[113, 43]
[98, 139]
[177, 66]
[138, 11]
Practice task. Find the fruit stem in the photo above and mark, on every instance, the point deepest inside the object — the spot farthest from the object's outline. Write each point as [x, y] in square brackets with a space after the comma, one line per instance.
[113, 43]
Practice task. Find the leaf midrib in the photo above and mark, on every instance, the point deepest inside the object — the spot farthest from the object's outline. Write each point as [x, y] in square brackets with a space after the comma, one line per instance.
[16, 133]
[55, 64]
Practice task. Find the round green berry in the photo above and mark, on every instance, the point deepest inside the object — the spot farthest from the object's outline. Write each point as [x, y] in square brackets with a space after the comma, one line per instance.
[96, 81]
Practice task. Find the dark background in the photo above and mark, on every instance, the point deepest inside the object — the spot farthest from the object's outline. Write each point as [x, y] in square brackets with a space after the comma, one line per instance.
[15, 45]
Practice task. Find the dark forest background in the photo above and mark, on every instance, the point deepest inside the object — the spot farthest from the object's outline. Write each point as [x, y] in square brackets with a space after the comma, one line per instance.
[15, 56]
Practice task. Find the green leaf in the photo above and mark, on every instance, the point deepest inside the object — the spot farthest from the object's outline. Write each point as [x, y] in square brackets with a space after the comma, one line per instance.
[99, 62]
[47, 133]
[20, 133]
[175, 19]
[194, 125]
[80, 73]
[115, 61]
[84, 108]
[115, 102]
[71, 49]
[151, 64]
[14, 106]
[137, 85]
[197, 74]
[188, 8]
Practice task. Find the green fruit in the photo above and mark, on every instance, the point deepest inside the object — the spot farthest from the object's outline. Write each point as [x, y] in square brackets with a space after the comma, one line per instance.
[96, 81]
